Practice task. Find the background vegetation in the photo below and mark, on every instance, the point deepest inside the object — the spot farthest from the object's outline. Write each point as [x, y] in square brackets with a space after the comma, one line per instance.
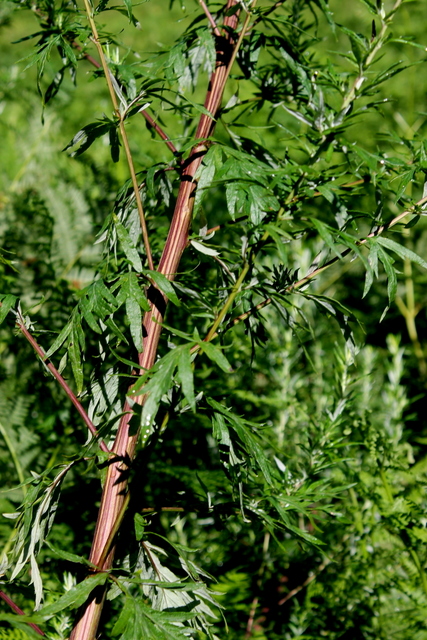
[283, 497]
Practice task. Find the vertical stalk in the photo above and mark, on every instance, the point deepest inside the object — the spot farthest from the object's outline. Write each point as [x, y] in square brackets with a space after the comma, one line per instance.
[123, 133]
[115, 491]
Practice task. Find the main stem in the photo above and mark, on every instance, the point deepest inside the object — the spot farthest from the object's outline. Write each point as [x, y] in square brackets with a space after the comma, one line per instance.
[116, 484]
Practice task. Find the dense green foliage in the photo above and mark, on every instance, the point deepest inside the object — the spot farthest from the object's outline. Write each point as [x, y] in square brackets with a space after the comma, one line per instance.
[278, 486]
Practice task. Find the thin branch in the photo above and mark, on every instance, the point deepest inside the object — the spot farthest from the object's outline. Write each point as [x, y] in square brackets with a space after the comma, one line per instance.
[76, 402]
[316, 272]
[266, 13]
[108, 78]
[143, 112]
[313, 576]
[160, 131]
[209, 16]
[361, 77]
[19, 611]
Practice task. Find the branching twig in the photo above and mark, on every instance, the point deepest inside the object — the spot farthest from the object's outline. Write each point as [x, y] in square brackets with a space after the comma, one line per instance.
[108, 78]
[76, 402]
[319, 270]
[313, 576]
[19, 611]
[144, 113]
[360, 78]
[209, 16]
[160, 131]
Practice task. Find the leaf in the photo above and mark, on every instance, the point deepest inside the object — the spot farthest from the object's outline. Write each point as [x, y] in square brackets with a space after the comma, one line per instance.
[114, 144]
[402, 251]
[133, 312]
[164, 285]
[7, 302]
[69, 557]
[203, 248]
[373, 261]
[85, 307]
[387, 263]
[130, 252]
[75, 359]
[87, 136]
[75, 596]
[216, 355]
[185, 374]
[61, 338]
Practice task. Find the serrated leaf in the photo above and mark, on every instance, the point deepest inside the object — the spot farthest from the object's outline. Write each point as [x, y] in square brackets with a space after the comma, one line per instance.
[136, 292]
[75, 359]
[88, 315]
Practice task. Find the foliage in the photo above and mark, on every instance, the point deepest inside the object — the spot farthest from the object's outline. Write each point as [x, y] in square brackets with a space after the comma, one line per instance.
[206, 290]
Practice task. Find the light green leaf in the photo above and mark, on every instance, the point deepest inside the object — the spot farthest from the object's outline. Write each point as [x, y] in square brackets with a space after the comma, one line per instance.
[387, 263]
[75, 359]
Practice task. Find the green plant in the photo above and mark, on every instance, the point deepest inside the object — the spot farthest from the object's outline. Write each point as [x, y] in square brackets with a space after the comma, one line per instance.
[198, 334]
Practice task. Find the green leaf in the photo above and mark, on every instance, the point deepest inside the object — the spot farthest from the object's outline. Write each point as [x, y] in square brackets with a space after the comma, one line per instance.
[75, 596]
[130, 252]
[69, 557]
[164, 285]
[216, 355]
[133, 312]
[7, 302]
[387, 263]
[61, 338]
[75, 359]
[88, 315]
[185, 374]
[139, 525]
[402, 251]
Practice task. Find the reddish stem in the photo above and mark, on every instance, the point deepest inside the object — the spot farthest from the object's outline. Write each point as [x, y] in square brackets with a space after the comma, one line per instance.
[160, 131]
[115, 487]
[19, 611]
[76, 402]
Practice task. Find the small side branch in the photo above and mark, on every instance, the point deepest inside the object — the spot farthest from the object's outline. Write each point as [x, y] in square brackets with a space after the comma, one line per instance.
[266, 13]
[144, 113]
[307, 278]
[157, 128]
[19, 611]
[37, 348]
[310, 578]
[209, 16]
[108, 78]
